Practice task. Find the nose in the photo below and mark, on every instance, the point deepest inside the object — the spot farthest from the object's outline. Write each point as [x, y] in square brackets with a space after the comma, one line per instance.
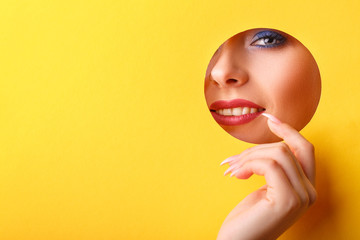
[229, 70]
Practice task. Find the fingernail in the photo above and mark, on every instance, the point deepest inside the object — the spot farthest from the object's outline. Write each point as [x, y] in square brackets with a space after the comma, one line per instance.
[271, 117]
[225, 161]
[235, 172]
[229, 170]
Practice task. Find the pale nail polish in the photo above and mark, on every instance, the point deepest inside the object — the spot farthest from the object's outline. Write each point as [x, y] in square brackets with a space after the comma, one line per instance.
[225, 161]
[229, 170]
[271, 117]
[233, 173]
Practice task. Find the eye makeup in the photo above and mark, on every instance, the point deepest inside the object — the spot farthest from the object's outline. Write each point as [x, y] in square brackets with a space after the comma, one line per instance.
[261, 70]
[268, 39]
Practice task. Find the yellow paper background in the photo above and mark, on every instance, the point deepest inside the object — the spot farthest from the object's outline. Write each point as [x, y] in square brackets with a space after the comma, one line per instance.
[105, 132]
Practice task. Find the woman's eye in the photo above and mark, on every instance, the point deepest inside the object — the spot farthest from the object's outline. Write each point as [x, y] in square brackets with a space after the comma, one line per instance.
[268, 39]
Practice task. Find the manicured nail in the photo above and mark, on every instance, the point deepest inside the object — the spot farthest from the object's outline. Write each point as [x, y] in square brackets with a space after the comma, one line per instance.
[225, 161]
[271, 117]
[234, 172]
[229, 170]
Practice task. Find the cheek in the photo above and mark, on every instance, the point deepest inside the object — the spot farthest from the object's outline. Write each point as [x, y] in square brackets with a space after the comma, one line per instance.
[210, 92]
[291, 85]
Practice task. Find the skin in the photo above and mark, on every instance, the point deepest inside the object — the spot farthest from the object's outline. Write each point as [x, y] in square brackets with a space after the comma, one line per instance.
[285, 80]
[289, 171]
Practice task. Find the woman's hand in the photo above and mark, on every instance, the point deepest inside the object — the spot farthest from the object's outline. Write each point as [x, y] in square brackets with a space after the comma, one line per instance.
[289, 171]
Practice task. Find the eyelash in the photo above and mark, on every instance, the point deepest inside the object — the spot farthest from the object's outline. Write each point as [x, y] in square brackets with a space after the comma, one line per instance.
[280, 39]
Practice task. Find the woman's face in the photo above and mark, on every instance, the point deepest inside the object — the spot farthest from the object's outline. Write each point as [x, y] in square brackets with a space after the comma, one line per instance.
[261, 70]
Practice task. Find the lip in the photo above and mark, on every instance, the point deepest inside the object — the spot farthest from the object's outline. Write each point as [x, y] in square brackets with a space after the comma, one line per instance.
[233, 104]
[234, 120]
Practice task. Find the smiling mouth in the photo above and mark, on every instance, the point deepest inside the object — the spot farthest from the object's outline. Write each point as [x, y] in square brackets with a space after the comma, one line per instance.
[235, 112]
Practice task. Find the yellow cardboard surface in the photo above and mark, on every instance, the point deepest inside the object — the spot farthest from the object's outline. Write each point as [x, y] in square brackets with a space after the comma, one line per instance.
[105, 133]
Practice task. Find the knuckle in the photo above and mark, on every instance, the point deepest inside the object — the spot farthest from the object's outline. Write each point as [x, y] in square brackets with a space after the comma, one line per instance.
[309, 146]
[312, 196]
[282, 145]
[272, 164]
[305, 200]
[305, 147]
[282, 148]
[293, 203]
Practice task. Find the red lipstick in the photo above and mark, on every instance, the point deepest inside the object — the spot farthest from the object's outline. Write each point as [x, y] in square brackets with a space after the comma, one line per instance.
[223, 111]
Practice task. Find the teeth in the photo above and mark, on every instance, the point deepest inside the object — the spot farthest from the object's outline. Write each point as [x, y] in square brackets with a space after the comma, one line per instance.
[246, 110]
[238, 111]
[227, 112]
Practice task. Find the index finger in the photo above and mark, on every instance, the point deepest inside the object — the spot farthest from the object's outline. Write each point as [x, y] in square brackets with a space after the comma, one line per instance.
[302, 149]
